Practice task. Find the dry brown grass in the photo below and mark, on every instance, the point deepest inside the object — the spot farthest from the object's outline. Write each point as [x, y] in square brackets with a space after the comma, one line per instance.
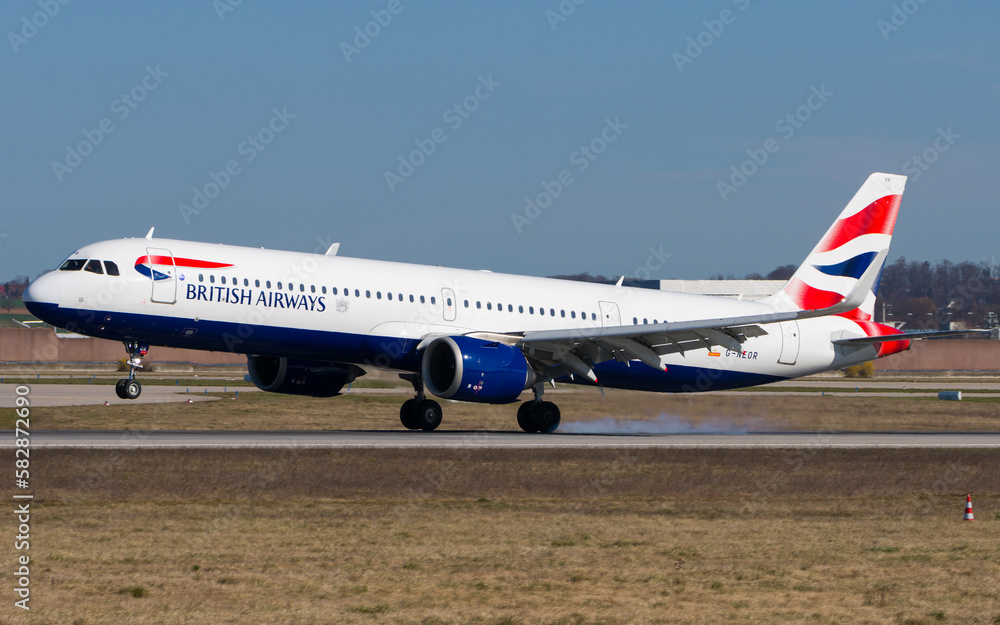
[513, 536]
[378, 411]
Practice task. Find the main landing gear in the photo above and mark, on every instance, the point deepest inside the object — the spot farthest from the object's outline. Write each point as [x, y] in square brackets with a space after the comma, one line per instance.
[419, 413]
[537, 415]
[129, 388]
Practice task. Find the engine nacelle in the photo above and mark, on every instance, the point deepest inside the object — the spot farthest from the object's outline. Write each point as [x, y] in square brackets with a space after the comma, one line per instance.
[468, 369]
[300, 377]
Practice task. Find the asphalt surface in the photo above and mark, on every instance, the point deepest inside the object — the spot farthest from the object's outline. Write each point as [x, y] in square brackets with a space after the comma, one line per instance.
[495, 440]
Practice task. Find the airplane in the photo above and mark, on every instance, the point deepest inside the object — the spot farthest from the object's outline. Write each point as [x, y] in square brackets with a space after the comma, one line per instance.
[309, 324]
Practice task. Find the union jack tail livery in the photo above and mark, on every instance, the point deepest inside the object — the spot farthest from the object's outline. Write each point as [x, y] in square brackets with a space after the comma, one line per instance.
[847, 250]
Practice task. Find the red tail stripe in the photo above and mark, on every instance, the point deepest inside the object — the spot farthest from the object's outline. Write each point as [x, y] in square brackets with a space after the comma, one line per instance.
[810, 298]
[879, 217]
[180, 262]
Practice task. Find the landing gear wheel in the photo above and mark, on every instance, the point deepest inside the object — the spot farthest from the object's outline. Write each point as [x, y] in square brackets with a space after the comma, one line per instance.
[131, 389]
[120, 389]
[428, 415]
[408, 415]
[545, 417]
[524, 418]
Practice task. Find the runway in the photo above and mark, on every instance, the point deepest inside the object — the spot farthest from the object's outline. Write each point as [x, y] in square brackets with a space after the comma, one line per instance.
[219, 439]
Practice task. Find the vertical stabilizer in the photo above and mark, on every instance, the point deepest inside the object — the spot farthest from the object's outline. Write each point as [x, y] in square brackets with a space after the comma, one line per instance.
[847, 250]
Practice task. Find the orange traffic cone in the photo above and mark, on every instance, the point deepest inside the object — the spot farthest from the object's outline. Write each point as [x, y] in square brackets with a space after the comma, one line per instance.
[968, 508]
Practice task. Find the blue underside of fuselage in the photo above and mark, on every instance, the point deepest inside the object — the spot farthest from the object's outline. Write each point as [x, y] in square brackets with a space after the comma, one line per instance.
[377, 351]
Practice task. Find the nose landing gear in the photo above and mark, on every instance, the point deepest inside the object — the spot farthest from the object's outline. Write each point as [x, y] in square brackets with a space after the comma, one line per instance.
[130, 388]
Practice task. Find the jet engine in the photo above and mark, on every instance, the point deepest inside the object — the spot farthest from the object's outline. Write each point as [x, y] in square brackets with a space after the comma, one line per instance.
[469, 369]
[300, 377]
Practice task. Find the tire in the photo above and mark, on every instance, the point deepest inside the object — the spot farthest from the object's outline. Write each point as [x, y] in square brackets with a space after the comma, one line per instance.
[132, 389]
[120, 389]
[546, 417]
[524, 418]
[408, 415]
[428, 415]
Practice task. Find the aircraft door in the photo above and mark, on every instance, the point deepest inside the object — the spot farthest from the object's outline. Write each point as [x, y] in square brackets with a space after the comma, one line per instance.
[789, 342]
[163, 275]
[609, 314]
[450, 304]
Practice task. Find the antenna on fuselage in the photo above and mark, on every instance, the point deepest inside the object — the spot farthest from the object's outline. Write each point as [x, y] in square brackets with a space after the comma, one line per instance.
[149, 235]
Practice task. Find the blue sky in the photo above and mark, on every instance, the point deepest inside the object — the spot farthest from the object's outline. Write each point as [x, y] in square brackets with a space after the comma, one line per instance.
[533, 85]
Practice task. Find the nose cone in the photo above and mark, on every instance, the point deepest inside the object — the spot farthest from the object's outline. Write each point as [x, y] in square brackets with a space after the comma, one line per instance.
[42, 296]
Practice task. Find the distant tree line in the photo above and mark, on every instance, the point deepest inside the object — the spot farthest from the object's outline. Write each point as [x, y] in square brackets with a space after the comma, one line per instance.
[11, 292]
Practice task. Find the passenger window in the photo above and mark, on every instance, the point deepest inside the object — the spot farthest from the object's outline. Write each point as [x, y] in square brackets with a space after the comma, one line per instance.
[378, 294]
[562, 313]
[510, 308]
[302, 288]
[541, 311]
[552, 312]
[466, 303]
[411, 299]
[256, 283]
[279, 286]
[489, 305]
[223, 279]
[593, 316]
[323, 289]
[645, 321]
[368, 294]
[211, 278]
[357, 293]
[449, 301]
[531, 310]
[268, 283]
[246, 282]
[94, 266]
[422, 299]
[388, 296]
[434, 300]
[73, 264]
[572, 314]
[291, 287]
[201, 277]
[635, 321]
[312, 288]
[111, 268]
[520, 309]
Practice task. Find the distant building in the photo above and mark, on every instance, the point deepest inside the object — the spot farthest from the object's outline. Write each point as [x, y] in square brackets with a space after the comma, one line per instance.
[748, 289]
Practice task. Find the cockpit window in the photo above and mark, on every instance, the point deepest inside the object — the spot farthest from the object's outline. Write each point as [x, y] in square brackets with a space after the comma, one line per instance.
[73, 264]
[94, 266]
[111, 268]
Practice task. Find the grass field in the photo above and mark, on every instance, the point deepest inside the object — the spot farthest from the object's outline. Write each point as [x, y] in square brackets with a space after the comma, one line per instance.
[513, 537]
[751, 412]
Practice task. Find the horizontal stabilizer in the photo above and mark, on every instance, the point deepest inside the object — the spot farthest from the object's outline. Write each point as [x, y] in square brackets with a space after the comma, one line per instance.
[907, 336]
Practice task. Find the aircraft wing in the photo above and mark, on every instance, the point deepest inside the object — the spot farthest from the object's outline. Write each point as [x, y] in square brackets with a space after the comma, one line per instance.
[577, 350]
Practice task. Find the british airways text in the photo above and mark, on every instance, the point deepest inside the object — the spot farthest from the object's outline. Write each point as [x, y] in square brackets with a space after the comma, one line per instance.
[269, 299]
